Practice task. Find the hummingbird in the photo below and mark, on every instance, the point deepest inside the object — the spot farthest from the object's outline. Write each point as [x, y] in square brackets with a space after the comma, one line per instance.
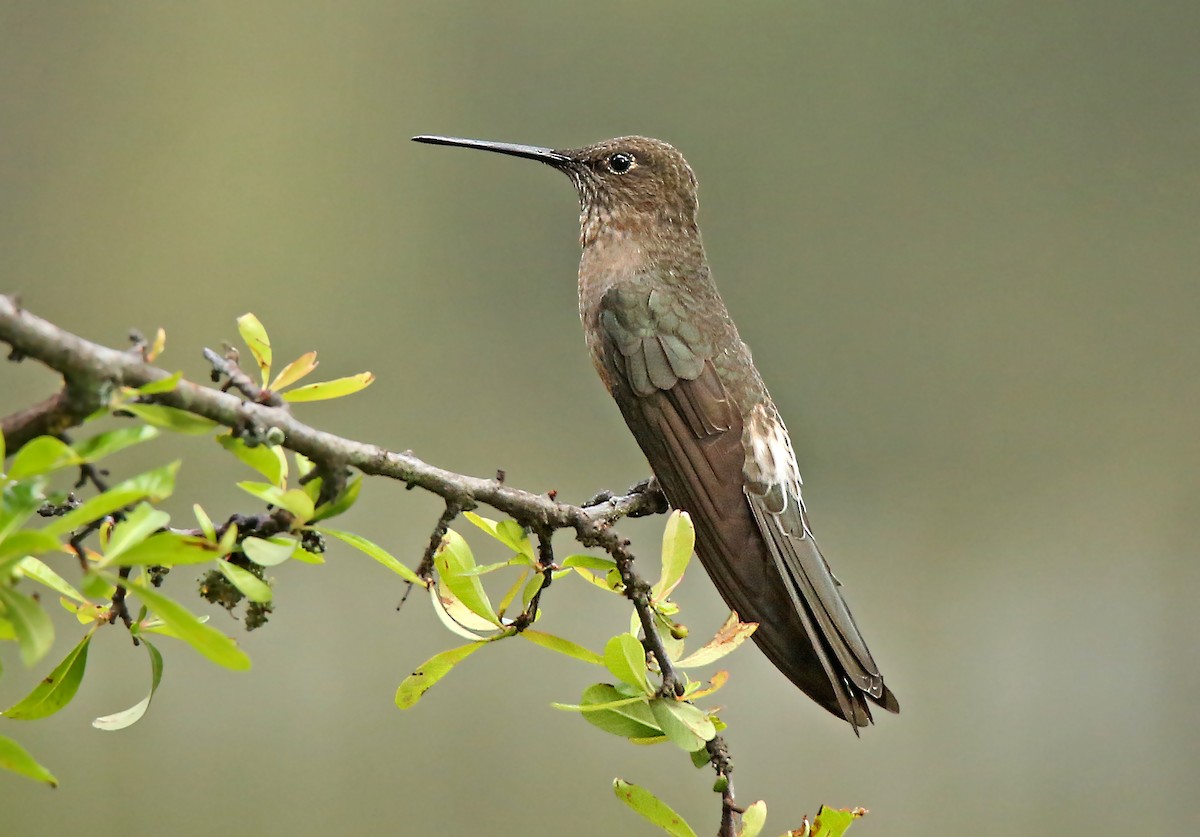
[670, 355]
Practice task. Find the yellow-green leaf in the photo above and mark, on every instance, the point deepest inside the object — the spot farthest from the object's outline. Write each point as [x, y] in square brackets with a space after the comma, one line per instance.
[378, 553]
[325, 390]
[255, 335]
[250, 585]
[625, 657]
[454, 562]
[31, 567]
[106, 444]
[686, 725]
[652, 809]
[269, 552]
[41, 456]
[138, 525]
[563, 646]
[54, 691]
[207, 640]
[430, 672]
[167, 549]
[170, 418]
[268, 460]
[294, 371]
[16, 758]
[679, 540]
[154, 485]
[162, 385]
[833, 822]
[754, 819]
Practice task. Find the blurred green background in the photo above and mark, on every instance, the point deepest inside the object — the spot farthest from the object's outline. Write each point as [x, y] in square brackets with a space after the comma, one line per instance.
[961, 239]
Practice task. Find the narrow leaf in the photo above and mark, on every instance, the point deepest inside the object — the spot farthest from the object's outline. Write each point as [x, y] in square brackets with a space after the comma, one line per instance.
[162, 385]
[589, 562]
[458, 618]
[130, 716]
[16, 758]
[250, 585]
[341, 504]
[31, 567]
[170, 418]
[625, 657]
[167, 549]
[20, 501]
[430, 672]
[255, 335]
[138, 525]
[155, 485]
[330, 389]
[563, 646]
[56, 690]
[106, 444]
[208, 641]
[652, 809]
[294, 371]
[29, 542]
[206, 524]
[378, 553]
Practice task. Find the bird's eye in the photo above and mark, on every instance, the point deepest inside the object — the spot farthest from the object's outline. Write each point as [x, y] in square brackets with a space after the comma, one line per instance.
[621, 162]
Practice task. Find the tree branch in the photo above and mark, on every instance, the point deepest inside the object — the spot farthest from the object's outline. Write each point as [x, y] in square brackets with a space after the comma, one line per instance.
[91, 372]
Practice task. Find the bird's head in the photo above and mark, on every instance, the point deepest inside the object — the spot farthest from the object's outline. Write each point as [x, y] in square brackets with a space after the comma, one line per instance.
[627, 186]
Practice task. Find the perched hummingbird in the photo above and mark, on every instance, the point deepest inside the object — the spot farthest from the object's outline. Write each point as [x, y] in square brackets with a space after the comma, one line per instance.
[671, 357]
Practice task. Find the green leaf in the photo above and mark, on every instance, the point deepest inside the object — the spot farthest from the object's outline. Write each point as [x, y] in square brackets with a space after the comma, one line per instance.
[453, 560]
[652, 809]
[563, 646]
[340, 504]
[41, 456]
[155, 486]
[268, 460]
[729, 636]
[55, 691]
[170, 418]
[162, 385]
[430, 672]
[206, 524]
[130, 716]
[833, 822]
[330, 389]
[19, 503]
[250, 585]
[508, 532]
[294, 371]
[294, 501]
[686, 725]
[34, 630]
[208, 641]
[269, 553]
[615, 712]
[378, 553]
[138, 525]
[31, 567]
[16, 758]
[106, 444]
[255, 335]
[167, 549]
[589, 562]
[679, 541]
[625, 657]
[29, 542]
[458, 618]
[754, 819]
[3, 450]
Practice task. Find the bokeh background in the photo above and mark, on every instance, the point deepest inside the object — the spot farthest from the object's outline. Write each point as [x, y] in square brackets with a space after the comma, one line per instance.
[961, 238]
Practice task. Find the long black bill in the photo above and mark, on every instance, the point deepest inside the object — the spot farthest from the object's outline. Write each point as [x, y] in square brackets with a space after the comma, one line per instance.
[530, 152]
